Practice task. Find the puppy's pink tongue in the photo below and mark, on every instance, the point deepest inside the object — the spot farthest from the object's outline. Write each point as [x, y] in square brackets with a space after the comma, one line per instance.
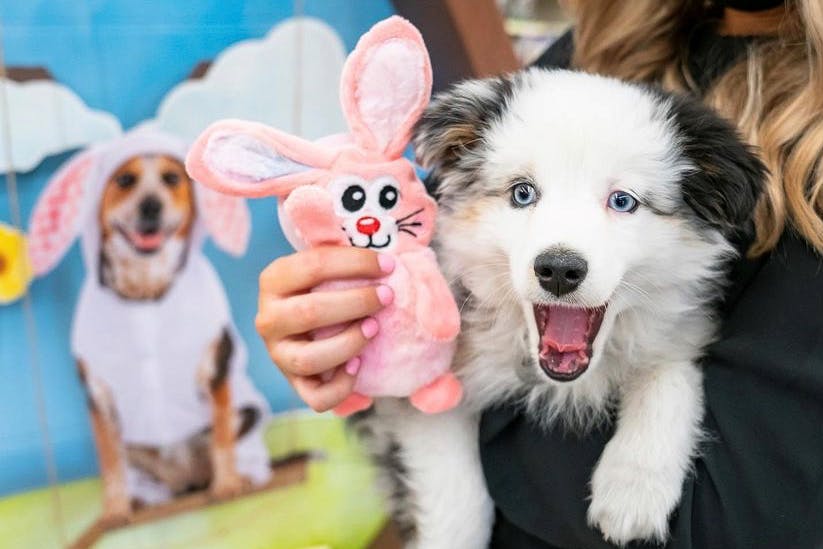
[566, 329]
[563, 337]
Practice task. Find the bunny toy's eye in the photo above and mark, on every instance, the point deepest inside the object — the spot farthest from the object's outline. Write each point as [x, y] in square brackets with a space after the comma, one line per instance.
[353, 198]
[388, 197]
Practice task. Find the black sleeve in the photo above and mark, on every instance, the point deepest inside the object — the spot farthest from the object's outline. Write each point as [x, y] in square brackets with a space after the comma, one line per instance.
[758, 483]
[559, 54]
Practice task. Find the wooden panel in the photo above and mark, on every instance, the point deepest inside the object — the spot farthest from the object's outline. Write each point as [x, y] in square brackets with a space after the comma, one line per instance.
[480, 26]
[465, 38]
[287, 472]
[24, 74]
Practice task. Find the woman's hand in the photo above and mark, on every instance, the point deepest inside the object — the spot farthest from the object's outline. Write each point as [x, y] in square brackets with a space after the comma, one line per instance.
[322, 371]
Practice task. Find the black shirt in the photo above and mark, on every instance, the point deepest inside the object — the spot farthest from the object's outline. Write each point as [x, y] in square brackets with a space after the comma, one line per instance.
[759, 481]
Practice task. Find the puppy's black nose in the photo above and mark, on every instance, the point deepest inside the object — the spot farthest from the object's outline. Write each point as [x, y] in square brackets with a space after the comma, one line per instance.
[560, 271]
[149, 209]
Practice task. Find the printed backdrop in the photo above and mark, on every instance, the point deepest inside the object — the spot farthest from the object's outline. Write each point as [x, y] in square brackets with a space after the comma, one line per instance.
[111, 65]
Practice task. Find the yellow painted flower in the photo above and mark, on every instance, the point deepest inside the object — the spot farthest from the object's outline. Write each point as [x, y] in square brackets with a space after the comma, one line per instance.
[15, 269]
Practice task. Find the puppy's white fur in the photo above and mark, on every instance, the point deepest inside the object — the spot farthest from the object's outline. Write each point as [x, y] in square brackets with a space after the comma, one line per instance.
[437, 456]
[577, 138]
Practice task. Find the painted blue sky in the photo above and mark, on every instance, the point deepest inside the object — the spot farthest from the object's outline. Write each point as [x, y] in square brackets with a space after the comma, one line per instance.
[123, 56]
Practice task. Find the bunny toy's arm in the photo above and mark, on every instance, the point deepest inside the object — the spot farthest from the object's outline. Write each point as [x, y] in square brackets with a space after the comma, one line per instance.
[310, 210]
[436, 310]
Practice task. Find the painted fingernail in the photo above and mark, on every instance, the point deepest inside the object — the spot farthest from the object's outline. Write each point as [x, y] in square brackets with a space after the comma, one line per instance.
[385, 295]
[353, 365]
[386, 263]
[369, 327]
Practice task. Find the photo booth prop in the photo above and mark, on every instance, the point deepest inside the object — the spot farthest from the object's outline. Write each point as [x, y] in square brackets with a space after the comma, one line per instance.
[147, 362]
[76, 77]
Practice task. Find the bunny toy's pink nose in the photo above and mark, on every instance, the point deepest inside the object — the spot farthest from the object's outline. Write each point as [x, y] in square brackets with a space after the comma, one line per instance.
[368, 225]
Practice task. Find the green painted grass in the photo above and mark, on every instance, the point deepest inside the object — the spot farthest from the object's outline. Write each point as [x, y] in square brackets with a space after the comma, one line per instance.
[337, 506]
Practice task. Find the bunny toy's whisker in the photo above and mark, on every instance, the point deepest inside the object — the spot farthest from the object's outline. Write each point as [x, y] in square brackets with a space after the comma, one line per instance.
[415, 224]
[414, 234]
[414, 213]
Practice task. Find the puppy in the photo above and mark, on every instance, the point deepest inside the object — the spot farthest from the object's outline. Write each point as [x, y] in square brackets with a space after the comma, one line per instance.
[172, 408]
[587, 225]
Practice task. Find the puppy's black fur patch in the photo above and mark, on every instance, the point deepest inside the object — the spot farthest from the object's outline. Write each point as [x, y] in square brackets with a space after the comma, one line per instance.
[721, 191]
[453, 125]
[391, 462]
[386, 453]
[727, 179]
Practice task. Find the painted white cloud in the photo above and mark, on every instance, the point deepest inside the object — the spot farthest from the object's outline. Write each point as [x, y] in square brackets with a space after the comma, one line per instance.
[289, 79]
[45, 118]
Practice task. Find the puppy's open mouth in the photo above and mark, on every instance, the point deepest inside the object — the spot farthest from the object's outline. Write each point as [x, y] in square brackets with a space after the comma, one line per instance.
[566, 337]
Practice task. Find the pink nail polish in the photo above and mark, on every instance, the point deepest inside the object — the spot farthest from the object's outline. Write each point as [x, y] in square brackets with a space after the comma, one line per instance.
[369, 327]
[385, 295]
[386, 263]
[353, 365]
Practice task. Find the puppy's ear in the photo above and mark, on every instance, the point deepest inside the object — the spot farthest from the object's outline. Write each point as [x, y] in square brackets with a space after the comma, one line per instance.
[454, 124]
[727, 177]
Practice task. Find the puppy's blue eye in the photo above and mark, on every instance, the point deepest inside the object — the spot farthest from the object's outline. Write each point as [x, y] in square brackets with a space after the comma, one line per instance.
[523, 194]
[623, 202]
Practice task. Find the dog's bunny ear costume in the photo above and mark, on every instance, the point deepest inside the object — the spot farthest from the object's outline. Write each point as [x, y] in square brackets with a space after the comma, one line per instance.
[360, 182]
[147, 354]
[66, 208]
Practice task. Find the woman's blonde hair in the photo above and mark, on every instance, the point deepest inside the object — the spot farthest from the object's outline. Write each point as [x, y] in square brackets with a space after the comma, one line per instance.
[774, 94]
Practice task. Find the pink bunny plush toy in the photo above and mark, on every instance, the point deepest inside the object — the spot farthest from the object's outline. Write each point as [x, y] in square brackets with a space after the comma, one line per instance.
[358, 190]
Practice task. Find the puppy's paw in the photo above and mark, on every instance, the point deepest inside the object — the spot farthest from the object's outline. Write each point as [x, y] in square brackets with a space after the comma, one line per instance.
[631, 502]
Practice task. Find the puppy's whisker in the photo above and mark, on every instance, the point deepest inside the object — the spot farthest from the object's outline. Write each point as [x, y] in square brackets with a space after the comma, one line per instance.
[654, 284]
[496, 301]
[500, 303]
[462, 305]
[478, 267]
[637, 291]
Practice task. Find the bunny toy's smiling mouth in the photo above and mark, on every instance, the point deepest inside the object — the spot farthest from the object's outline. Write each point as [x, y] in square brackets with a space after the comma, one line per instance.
[371, 243]
[367, 231]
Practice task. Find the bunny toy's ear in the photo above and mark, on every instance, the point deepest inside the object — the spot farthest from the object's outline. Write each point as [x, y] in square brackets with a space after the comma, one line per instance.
[385, 86]
[251, 159]
[57, 216]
